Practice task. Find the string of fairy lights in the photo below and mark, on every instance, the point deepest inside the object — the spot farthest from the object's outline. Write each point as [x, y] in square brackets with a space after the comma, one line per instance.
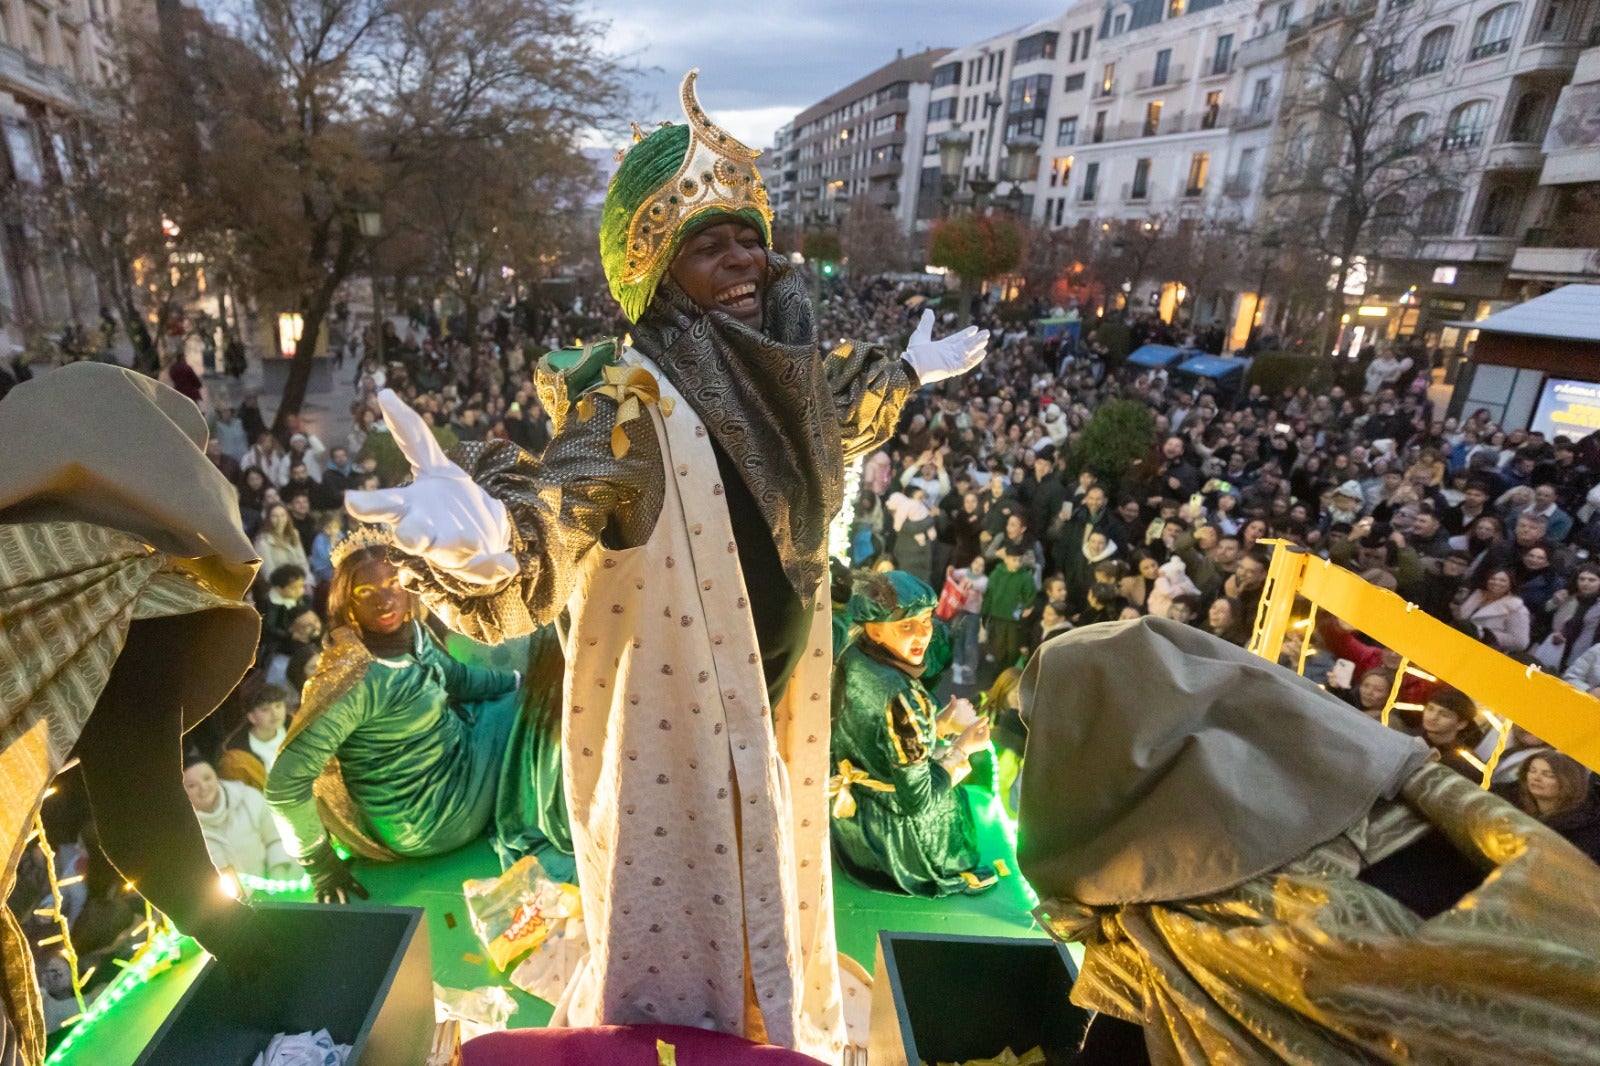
[161, 944]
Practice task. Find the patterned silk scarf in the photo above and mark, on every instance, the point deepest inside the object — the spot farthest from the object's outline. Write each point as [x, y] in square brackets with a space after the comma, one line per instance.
[766, 399]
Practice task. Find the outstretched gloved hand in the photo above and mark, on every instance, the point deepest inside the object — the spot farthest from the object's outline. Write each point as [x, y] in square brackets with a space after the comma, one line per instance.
[443, 516]
[948, 358]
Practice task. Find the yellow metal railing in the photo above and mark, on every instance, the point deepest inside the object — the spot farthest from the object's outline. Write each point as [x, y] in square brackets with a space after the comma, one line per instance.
[1541, 703]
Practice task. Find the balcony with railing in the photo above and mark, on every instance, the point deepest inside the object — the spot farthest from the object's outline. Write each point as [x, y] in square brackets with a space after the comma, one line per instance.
[1216, 67]
[1549, 52]
[1193, 192]
[1262, 48]
[1105, 89]
[1238, 186]
[1134, 192]
[1206, 119]
[1148, 80]
[1514, 155]
[1460, 140]
[1489, 49]
[1256, 117]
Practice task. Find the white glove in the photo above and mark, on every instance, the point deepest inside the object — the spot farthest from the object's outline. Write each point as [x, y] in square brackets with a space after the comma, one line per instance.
[948, 358]
[443, 516]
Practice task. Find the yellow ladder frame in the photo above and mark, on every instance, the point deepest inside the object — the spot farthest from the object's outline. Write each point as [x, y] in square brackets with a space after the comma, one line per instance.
[1541, 703]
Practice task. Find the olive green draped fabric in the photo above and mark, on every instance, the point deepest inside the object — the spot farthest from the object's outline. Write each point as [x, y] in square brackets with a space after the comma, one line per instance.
[531, 806]
[1199, 818]
[918, 838]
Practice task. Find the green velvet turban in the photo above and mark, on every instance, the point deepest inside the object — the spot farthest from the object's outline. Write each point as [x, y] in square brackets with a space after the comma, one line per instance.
[889, 597]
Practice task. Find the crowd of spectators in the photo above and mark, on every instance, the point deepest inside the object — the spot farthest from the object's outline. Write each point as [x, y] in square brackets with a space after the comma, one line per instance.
[981, 494]
[984, 493]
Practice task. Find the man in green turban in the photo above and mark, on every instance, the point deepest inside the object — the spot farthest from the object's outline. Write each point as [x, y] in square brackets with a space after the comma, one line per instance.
[679, 517]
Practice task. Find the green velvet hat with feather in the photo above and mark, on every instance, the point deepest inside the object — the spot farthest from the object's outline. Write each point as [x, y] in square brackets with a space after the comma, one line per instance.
[671, 184]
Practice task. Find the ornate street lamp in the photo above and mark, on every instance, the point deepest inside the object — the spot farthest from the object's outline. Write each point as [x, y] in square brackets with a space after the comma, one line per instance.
[953, 148]
[370, 222]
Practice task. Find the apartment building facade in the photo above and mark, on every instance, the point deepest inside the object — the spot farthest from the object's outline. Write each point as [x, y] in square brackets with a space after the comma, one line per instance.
[1563, 244]
[1004, 92]
[858, 143]
[1485, 76]
[51, 52]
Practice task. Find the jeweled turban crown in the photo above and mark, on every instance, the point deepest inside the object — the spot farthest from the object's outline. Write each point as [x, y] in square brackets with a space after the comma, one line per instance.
[677, 180]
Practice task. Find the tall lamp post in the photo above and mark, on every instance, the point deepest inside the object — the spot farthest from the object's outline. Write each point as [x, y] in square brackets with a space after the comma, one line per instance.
[371, 222]
[1022, 154]
[953, 148]
[1270, 242]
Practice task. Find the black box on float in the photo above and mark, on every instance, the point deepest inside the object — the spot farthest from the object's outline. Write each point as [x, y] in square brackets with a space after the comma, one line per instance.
[365, 974]
[952, 998]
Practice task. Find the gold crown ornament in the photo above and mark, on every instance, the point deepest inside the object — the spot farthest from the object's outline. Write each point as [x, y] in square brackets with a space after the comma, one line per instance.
[718, 173]
[358, 539]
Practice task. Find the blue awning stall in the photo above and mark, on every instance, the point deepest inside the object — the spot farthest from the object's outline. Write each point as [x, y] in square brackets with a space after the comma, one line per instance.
[1215, 367]
[1156, 356]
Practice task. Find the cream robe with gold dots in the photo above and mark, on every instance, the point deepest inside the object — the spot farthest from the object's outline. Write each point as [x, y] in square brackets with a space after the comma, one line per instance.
[699, 814]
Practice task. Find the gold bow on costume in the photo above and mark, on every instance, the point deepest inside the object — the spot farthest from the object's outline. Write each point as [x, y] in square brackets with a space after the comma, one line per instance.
[629, 387]
[844, 804]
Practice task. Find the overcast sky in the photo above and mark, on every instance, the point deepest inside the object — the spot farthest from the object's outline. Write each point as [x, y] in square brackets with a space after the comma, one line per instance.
[762, 61]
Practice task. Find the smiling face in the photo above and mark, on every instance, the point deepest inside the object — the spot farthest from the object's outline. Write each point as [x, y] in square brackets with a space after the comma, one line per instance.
[377, 602]
[907, 639]
[200, 782]
[724, 268]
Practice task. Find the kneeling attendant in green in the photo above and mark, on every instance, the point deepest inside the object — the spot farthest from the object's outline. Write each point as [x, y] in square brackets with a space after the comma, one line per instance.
[900, 821]
[398, 748]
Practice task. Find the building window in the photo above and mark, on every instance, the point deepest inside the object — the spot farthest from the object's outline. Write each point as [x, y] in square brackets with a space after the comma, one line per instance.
[1247, 166]
[949, 74]
[1067, 131]
[1091, 181]
[1163, 67]
[1223, 56]
[1118, 24]
[1528, 119]
[942, 109]
[1174, 8]
[1211, 117]
[993, 58]
[1140, 189]
[1387, 216]
[1072, 83]
[1499, 212]
[1466, 125]
[1152, 118]
[1492, 35]
[1438, 215]
[1060, 170]
[1285, 13]
[1072, 47]
[1099, 127]
[1029, 93]
[1259, 95]
[1039, 46]
[1411, 131]
[1108, 79]
[1434, 51]
[1199, 163]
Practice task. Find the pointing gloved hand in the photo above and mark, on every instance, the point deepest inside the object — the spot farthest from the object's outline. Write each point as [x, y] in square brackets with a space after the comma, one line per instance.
[443, 516]
[330, 875]
[948, 358]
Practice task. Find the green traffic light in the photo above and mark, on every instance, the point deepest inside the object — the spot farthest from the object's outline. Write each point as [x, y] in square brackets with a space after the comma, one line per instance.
[827, 270]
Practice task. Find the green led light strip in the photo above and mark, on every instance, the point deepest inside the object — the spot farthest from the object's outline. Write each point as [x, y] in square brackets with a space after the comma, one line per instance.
[163, 949]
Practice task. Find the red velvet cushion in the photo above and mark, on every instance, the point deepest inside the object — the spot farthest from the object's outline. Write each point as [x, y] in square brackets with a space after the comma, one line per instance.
[622, 1045]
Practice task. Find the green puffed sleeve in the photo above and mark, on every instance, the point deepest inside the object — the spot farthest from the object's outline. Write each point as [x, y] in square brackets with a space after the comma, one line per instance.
[294, 774]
